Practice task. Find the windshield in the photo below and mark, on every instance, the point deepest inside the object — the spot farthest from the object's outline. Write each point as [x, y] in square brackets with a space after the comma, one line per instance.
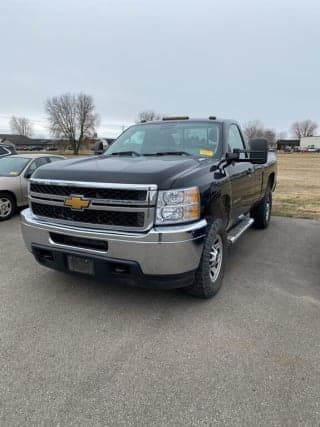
[12, 166]
[190, 138]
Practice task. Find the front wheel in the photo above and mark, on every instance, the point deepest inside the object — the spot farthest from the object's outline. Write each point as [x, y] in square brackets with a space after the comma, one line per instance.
[7, 206]
[209, 276]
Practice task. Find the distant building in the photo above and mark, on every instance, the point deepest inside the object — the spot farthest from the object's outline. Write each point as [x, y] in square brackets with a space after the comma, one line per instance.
[312, 142]
[31, 144]
[287, 144]
[24, 143]
[16, 140]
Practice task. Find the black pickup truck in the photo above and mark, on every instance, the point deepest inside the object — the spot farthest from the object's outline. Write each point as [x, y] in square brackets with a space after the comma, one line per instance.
[158, 208]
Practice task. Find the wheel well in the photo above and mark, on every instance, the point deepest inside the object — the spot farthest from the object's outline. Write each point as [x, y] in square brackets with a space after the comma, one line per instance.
[9, 193]
[219, 208]
[271, 180]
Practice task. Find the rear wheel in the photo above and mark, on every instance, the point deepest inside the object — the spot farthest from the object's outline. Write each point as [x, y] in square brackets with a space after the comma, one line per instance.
[7, 206]
[209, 276]
[262, 212]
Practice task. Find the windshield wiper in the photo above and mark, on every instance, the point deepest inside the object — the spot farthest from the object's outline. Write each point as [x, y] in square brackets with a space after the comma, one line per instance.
[160, 153]
[167, 153]
[125, 153]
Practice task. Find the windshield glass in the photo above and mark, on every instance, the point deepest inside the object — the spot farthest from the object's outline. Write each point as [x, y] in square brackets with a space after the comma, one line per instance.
[194, 138]
[12, 166]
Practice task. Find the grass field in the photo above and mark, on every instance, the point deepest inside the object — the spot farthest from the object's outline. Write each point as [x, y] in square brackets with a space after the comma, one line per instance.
[298, 188]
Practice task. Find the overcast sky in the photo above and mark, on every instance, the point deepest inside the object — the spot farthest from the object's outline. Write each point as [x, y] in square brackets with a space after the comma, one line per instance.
[248, 59]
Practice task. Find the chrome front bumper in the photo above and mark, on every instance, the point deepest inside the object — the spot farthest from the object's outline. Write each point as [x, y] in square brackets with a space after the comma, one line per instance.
[166, 250]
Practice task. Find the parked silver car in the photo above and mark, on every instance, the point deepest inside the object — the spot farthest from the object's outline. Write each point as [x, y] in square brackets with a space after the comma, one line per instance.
[15, 172]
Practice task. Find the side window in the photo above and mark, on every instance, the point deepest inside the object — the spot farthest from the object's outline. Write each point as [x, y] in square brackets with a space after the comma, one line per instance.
[3, 151]
[235, 140]
[41, 161]
[53, 159]
[36, 164]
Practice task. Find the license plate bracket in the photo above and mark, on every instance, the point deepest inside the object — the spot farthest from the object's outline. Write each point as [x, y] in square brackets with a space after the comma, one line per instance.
[80, 264]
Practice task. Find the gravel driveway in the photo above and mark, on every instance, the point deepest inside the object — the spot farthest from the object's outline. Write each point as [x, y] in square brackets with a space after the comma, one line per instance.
[77, 352]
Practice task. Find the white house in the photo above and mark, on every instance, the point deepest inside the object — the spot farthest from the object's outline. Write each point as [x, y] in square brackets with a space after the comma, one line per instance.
[310, 142]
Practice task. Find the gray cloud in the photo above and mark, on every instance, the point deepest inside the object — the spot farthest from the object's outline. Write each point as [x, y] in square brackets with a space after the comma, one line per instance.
[242, 59]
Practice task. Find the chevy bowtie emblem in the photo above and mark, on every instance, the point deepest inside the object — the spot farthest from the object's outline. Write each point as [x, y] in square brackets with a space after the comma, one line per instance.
[77, 203]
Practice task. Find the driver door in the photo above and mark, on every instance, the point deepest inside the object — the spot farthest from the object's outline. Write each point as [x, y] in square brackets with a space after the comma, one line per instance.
[241, 174]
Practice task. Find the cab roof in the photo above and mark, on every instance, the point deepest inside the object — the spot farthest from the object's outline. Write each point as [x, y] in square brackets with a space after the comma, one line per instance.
[186, 119]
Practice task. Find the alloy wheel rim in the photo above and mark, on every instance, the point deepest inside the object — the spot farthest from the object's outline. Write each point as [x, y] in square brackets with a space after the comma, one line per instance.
[5, 207]
[215, 259]
[268, 209]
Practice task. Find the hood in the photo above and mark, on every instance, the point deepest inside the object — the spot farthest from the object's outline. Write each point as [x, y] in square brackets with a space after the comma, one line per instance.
[162, 171]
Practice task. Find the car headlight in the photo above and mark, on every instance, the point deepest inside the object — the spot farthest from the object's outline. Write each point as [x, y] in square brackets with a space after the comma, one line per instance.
[175, 206]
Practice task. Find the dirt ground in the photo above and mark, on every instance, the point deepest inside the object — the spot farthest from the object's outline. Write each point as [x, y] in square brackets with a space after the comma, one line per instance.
[298, 188]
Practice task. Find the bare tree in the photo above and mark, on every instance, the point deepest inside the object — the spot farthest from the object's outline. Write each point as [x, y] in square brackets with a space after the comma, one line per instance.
[304, 128]
[72, 117]
[270, 135]
[255, 129]
[148, 116]
[21, 126]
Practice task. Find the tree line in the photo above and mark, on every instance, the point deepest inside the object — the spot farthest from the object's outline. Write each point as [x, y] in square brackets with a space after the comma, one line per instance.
[73, 118]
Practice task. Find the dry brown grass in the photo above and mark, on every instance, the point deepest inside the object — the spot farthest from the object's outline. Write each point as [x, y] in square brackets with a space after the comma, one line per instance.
[298, 188]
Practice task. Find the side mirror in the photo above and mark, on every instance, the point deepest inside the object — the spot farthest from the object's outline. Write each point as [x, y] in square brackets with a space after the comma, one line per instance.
[259, 151]
[233, 157]
[28, 174]
[98, 148]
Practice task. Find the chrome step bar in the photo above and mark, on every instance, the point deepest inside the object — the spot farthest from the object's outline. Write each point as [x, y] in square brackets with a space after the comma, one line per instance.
[235, 232]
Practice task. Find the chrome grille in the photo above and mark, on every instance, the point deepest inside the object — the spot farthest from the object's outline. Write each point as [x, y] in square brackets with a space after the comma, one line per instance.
[111, 194]
[126, 219]
[112, 206]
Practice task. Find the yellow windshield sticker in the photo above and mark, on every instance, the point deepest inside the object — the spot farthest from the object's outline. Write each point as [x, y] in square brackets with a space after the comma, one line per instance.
[13, 173]
[206, 152]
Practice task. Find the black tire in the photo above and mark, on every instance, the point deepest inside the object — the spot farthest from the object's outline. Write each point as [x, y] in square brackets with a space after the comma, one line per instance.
[206, 284]
[7, 206]
[262, 212]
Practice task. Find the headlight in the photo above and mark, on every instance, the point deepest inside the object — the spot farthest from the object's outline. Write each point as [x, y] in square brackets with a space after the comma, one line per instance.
[178, 206]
